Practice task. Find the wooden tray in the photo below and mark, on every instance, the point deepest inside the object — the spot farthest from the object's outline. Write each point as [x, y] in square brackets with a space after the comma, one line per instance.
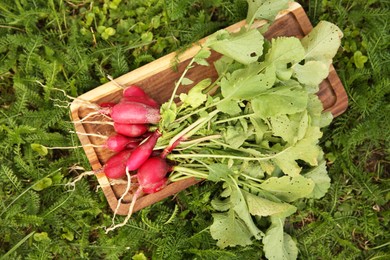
[157, 78]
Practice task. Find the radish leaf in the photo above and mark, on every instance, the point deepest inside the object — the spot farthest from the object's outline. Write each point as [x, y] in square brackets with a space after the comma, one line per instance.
[263, 207]
[312, 73]
[280, 100]
[229, 230]
[305, 149]
[195, 97]
[261, 9]
[321, 180]
[285, 50]
[247, 82]
[288, 188]
[278, 244]
[230, 107]
[290, 127]
[322, 42]
[245, 46]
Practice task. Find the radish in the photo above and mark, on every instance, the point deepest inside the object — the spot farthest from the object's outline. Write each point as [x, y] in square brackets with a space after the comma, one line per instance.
[136, 94]
[114, 143]
[151, 177]
[142, 152]
[152, 173]
[133, 91]
[115, 167]
[107, 104]
[132, 113]
[144, 100]
[118, 142]
[131, 130]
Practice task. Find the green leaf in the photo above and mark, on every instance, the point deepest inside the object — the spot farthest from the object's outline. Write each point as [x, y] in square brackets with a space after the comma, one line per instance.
[235, 136]
[247, 83]
[325, 119]
[230, 107]
[305, 149]
[263, 207]
[195, 96]
[285, 50]
[227, 65]
[42, 236]
[290, 127]
[359, 59]
[245, 46]
[186, 81]
[40, 149]
[321, 180]
[43, 184]
[252, 169]
[278, 244]
[315, 110]
[218, 172]
[201, 57]
[168, 114]
[221, 204]
[280, 100]
[229, 230]
[263, 9]
[241, 208]
[289, 188]
[322, 43]
[139, 256]
[68, 234]
[312, 73]
[260, 127]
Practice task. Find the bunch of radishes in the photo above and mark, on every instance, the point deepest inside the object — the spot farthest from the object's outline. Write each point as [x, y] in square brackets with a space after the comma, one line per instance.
[133, 143]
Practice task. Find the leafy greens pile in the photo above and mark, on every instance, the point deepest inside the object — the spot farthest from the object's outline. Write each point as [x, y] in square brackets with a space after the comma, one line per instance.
[255, 129]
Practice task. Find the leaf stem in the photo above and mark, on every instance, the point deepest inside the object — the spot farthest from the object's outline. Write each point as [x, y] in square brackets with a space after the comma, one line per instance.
[233, 118]
[177, 84]
[224, 156]
[185, 173]
[187, 132]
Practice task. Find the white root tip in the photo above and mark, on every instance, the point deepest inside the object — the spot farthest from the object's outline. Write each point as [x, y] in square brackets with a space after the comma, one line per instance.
[131, 207]
[78, 178]
[123, 196]
[115, 82]
[130, 212]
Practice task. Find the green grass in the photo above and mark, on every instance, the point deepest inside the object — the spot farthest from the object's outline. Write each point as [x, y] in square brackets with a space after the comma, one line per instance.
[71, 45]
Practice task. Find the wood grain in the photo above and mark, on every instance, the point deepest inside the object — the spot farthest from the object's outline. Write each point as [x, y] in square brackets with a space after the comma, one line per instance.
[157, 78]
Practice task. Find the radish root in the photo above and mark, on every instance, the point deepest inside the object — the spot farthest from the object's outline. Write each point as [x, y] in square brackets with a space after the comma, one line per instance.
[131, 207]
[82, 175]
[89, 134]
[116, 83]
[122, 197]
[74, 147]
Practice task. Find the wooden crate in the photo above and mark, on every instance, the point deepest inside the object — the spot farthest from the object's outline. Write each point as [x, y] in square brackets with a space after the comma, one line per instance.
[157, 79]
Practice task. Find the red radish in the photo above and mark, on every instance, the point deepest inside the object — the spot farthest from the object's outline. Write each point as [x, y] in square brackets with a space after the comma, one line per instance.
[118, 142]
[152, 173]
[154, 187]
[133, 91]
[115, 167]
[144, 100]
[151, 177]
[136, 94]
[142, 152]
[131, 130]
[107, 104]
[133, 113]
